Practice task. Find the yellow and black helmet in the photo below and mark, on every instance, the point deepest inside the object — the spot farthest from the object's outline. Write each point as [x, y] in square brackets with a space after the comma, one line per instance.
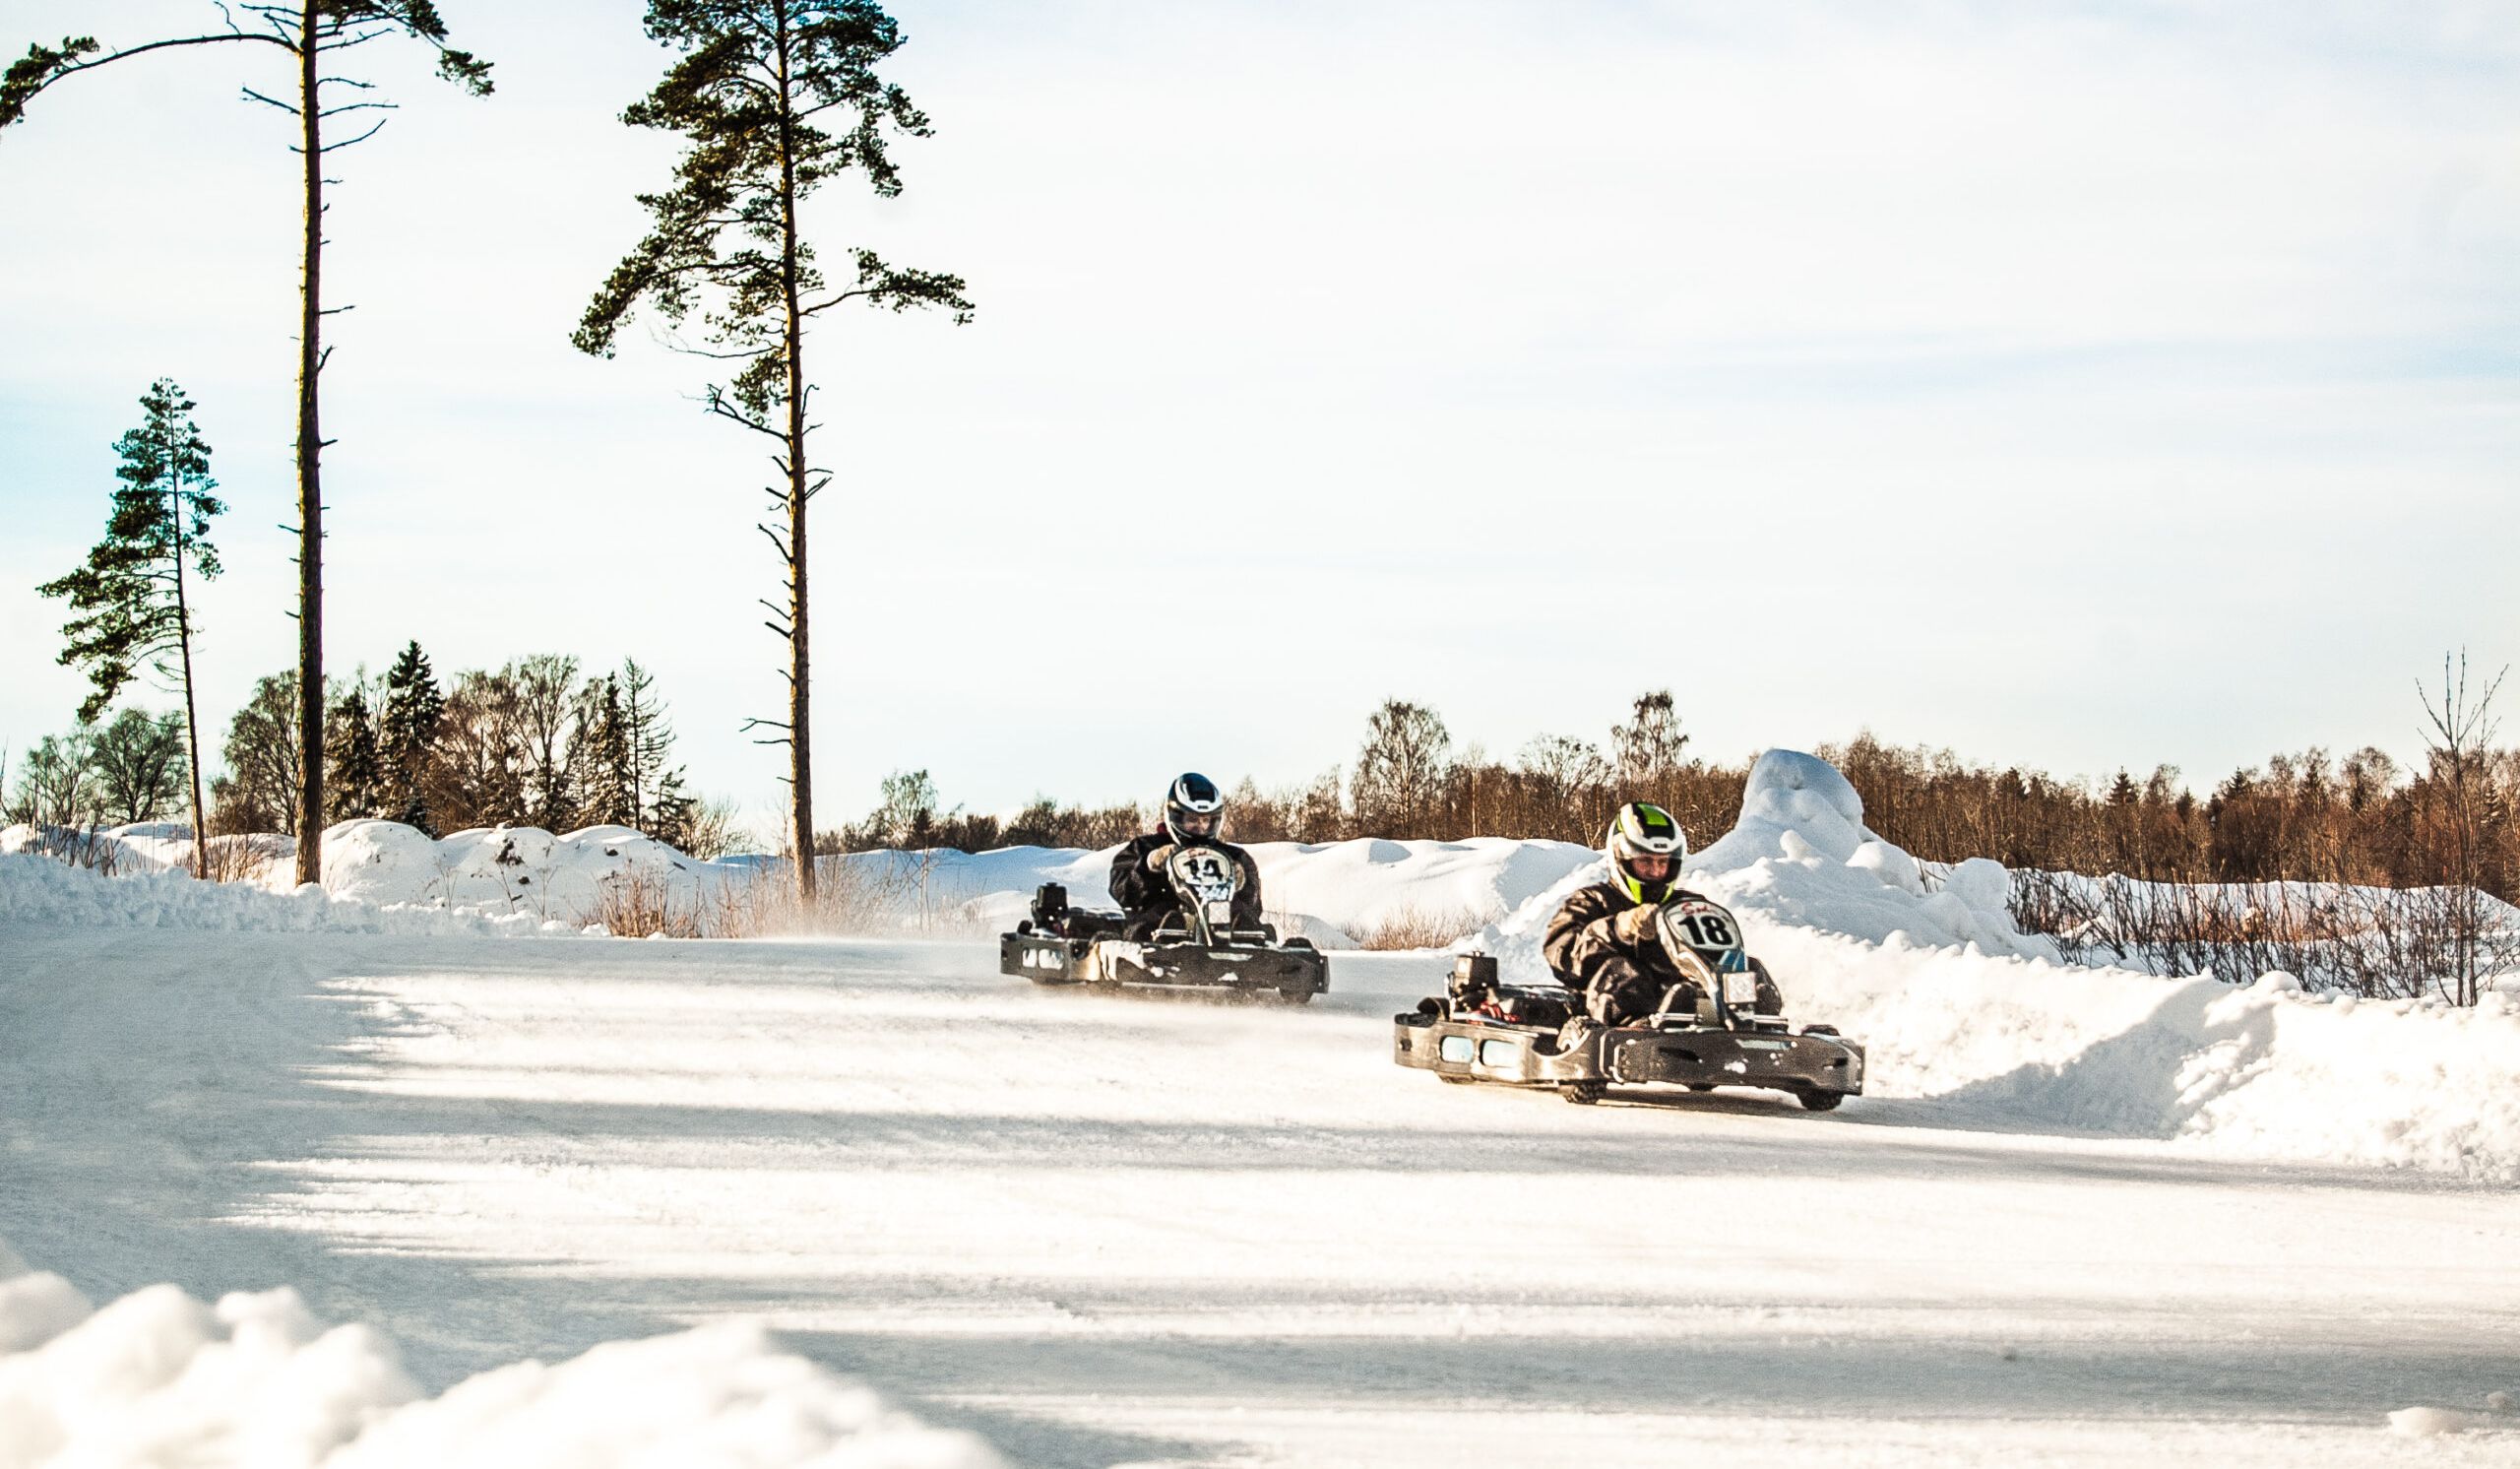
[1643, 829]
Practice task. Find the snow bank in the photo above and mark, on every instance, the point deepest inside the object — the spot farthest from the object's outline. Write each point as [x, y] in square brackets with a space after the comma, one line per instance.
[41, 890]
[1925, 967]
[256, 1381]
[521, 878]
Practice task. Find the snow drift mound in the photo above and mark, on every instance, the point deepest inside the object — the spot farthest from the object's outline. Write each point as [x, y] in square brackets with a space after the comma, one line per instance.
[523, 879]
[42, 890]
[257, 1382]
[1802, 856]
[1924, 964]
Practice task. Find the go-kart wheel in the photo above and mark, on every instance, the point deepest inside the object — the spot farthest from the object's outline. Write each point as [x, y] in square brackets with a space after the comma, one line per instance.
[1584, 1093]
[1302, 996]
[1455, 1080]
[1822, 1101]
[1701, 1086]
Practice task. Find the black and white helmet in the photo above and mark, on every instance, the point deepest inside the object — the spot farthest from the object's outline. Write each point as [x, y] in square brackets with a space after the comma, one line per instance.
[1194, 810]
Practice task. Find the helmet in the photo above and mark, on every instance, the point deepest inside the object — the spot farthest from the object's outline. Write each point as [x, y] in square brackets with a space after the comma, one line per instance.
[1643, 829]
[1194, 810]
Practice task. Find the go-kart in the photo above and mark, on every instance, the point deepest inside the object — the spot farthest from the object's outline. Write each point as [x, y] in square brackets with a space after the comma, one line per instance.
[1198, 947]
[1706, 1032]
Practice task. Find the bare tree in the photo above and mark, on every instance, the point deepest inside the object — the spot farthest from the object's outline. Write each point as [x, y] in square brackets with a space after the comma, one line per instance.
[1646, 750]
[546, 695]
[2459, 727]
[1400, 771]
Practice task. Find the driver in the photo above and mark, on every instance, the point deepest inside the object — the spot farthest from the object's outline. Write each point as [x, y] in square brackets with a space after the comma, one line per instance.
[1602, 944]
[1193, 817]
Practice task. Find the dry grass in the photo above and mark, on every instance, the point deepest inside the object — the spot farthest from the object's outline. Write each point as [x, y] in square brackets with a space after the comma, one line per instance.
[640, 904]
[1414, 928]
[767, 905]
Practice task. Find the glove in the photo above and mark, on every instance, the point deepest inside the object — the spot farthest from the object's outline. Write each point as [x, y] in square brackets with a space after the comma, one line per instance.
[1156, 860]
[1635, 926]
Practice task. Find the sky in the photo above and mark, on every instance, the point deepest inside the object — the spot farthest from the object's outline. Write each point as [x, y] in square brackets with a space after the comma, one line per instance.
[2073, 384]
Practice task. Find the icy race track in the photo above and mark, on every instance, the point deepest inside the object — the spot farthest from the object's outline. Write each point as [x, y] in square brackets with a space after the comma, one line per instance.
[1107, 1231]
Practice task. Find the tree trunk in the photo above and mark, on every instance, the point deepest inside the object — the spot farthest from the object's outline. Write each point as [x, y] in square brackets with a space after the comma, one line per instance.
[801, 745]
[184, 644]
[310, 450]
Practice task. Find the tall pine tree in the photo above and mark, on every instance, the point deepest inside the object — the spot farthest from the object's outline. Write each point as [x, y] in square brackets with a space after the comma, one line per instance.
[407, 729]
[354, 783]
[132, 599]
[752, 95]
[314, 35]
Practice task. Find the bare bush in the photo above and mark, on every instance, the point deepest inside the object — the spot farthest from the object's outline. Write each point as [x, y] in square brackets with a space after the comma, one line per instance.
[242, 859]
[848, 898]
[1414, 928]
[2381, 943]
[640, 904]
[87, 848]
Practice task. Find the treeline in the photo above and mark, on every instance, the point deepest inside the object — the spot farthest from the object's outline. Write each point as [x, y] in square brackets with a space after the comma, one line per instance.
[535, 742]
[2361, 818]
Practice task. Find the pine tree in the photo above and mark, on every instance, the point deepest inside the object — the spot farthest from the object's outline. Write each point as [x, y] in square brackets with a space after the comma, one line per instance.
[132, 597]
[755, 78]
[354, 783]
[600, 768]
[647, 738]
[313, 33]
[413, 705]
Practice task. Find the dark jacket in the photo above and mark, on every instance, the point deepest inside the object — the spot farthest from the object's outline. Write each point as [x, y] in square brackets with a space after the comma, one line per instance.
[1585, 944]
[1146, 894]
[1620, 967]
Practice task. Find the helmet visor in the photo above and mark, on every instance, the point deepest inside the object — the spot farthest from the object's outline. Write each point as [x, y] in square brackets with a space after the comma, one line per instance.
[1187, 823]
[1650, 867]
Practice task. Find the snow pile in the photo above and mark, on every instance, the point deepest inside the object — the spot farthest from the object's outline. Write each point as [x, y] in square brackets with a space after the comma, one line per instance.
[523, 879]
[42, 890]
[256, 1381]
[507, 868]
[1952, 1003]
[1801, 858]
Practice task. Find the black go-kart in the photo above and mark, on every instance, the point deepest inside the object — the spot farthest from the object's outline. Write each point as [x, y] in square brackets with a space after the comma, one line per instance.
[1707, 1032]
[1197, 948]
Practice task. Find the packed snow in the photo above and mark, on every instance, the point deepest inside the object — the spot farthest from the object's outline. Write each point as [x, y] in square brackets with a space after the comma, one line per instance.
[2081, 1216]
[256, 1381]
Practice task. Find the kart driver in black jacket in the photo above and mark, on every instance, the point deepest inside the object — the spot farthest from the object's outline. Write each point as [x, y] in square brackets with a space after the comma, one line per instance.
[1603, 944]
[1193, 817]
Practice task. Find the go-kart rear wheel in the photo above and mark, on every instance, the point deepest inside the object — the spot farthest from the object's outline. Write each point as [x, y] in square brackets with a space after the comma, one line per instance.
[1584, 1093]
[1455, 1080]
[1818, 1101]
[1294, 997]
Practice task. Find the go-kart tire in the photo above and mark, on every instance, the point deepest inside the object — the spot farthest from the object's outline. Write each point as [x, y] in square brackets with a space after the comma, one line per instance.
[1296, 996]
[1584, 1093]
[1455, 1080]
[1701, 1086]
[1816, 1100]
